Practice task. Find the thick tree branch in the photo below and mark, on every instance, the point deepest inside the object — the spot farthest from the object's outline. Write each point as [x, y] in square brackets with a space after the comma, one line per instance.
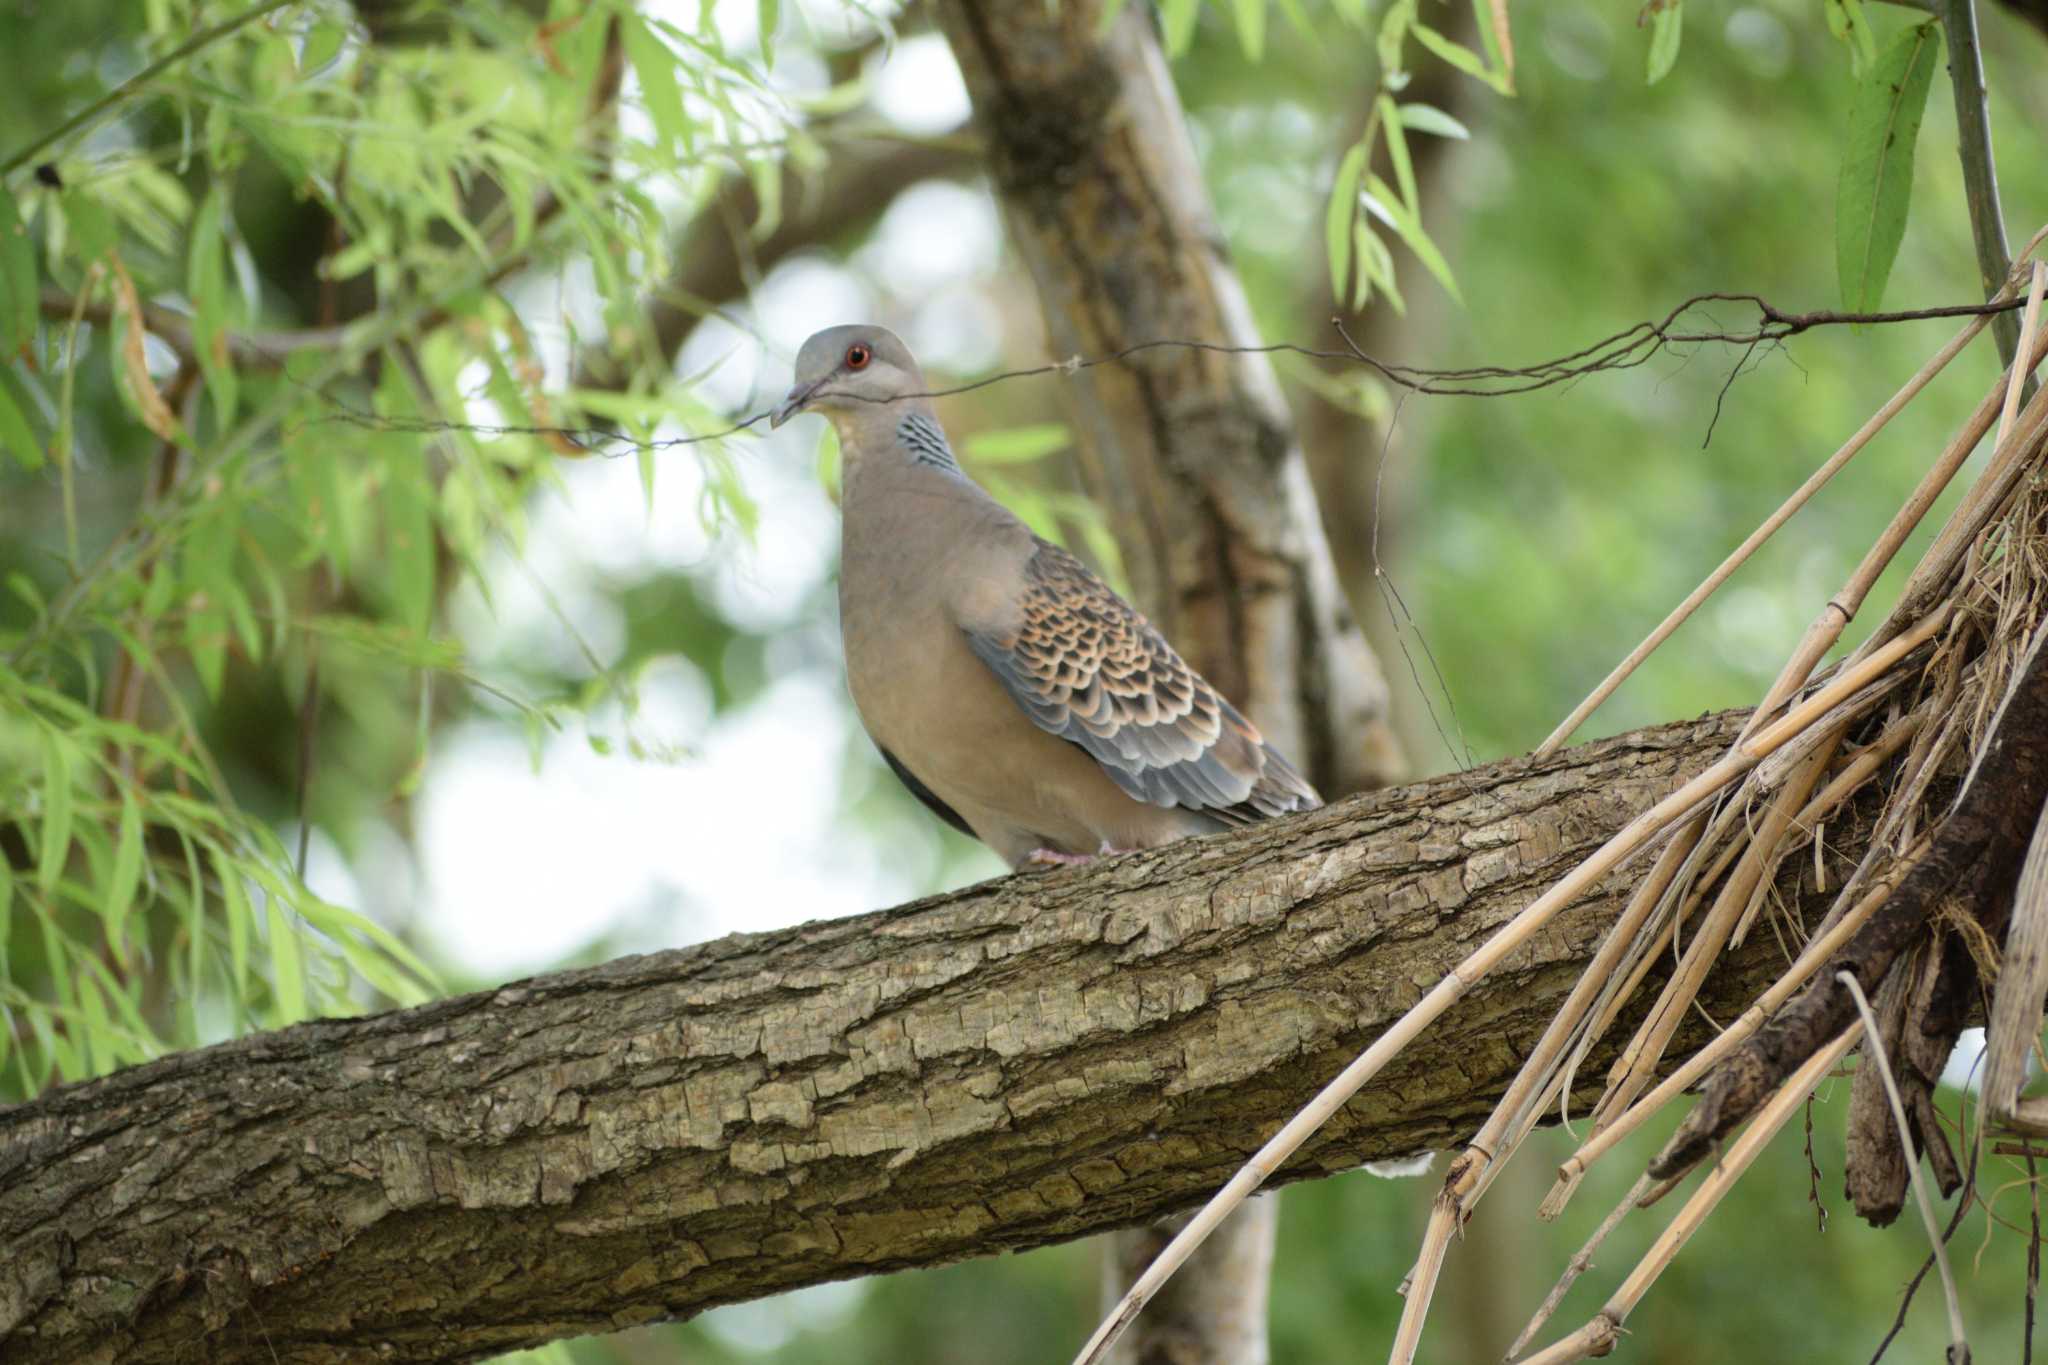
[1030, 1060]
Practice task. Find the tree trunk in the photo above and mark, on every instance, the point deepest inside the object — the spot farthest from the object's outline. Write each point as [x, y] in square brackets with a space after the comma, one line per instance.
[1030, 1060]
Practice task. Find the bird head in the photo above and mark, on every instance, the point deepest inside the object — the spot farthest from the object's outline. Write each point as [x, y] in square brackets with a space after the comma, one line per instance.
[842, 368]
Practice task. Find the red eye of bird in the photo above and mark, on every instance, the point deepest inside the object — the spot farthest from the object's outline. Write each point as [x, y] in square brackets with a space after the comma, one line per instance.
[858, 356]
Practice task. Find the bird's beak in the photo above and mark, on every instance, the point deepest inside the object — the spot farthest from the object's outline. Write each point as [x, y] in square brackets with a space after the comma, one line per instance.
[793, 404]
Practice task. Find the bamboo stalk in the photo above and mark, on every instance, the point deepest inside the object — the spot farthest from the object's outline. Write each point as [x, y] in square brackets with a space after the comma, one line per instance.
[1599, 1334]
[1482, 960]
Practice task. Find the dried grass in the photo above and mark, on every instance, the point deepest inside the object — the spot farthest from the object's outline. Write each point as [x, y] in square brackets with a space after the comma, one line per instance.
[1903, 708]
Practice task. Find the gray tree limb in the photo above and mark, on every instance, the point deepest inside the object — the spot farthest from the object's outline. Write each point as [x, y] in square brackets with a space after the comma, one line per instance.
[1026, 1061]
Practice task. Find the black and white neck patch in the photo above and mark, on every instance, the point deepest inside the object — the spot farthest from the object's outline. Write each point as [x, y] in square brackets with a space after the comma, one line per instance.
[927, 442]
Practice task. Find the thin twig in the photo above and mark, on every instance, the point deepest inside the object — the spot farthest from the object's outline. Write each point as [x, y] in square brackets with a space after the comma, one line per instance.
[1873, 1046]
[2033, 1261]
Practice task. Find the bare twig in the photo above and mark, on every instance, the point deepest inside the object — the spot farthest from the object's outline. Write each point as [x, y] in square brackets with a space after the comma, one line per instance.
[1580, 1263]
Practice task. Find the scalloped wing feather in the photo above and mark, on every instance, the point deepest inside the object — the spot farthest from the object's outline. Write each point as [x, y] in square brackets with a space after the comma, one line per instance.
[1087, 667]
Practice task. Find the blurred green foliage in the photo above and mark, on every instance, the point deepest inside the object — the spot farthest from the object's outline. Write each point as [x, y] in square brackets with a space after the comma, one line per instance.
[391, 177]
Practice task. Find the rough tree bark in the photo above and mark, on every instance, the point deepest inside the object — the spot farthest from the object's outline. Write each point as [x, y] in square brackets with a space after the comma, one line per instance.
[1030, 1060]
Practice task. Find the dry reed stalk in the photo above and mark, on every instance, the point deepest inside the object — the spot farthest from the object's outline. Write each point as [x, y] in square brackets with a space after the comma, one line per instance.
[1861, 767]
[1652, 823]
[1791, 505]
[1780, 825]
[2029, 322]
[1632, 1071]
[1765, 851]
[1799, 498]
[1484, 1153]
[1580, 1263]
[1599, 1335]
[1841, 609]
[1514, 1117]
[1681, 810]
[1873, 1048]
[1733, 908]
[1985, 497]
[1700, 1063]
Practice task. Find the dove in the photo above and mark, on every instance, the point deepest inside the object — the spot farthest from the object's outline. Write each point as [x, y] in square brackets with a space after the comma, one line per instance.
[1011, 689]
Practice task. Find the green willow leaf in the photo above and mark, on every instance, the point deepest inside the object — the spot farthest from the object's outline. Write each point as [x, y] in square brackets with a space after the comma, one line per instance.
[206, 283]
[655, 65]
[1846, 21]
[1427, 118]
[6, 920]
[1461, 57]
[1667, 26]
[1394, 27]
[1177, 21]
[55, 844]
[16, 436]
[1876, 184]
[1397, 153]
[287, 965]
[125, 877]
[1251, 27]
[1376, 267]
[1381, 199]
[18, 302]
[1337, 217]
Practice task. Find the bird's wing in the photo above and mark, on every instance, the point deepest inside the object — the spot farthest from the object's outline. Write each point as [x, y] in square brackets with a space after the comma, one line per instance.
[1088, 668]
